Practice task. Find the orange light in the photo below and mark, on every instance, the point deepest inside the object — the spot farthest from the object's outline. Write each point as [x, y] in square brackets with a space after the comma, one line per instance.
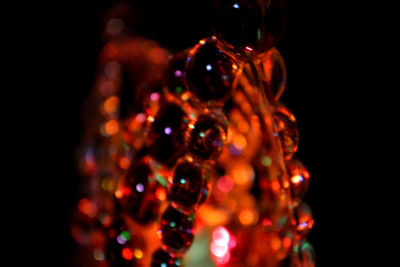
[240, 142]
[138, 253]
[111, 127]
[124, 163]
[161, 194]
[247, 217]
[275, 185]
[185, 96]
[87, 207]
[119, 194]
[275, 243]
[111, 104]
[127, 254]
[286, 242]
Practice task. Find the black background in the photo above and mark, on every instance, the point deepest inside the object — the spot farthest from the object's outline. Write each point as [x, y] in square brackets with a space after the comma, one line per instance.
[317, 49]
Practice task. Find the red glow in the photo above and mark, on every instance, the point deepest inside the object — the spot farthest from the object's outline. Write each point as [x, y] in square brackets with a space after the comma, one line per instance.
[127, 254]
[225, 184]
[221, 243]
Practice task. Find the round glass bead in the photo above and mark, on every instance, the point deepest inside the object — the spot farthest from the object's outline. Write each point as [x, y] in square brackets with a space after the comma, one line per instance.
[190, 186]
[167, 134]
[247, 26]
[161, 258]
[286, 127]
[307, 254]
[273, 74]
[206, 135]
[299, 179]
[176, 73]
[210, 73]
[304, 219]
[177, 230]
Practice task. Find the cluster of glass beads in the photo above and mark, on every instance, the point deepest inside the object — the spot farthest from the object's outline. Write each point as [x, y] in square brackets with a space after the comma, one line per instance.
[206, 117]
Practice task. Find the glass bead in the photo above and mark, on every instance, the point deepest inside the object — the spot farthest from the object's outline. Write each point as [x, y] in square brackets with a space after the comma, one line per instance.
[176, 73]
[247, 26]
[190, 186]
[299, 179]
[161, 258]
[307, 254]
[286, 127]
[177, 230]
[136, 195]
[210, 73]
[207, 135]
[304, 219]
[167, 134]
[273, 74]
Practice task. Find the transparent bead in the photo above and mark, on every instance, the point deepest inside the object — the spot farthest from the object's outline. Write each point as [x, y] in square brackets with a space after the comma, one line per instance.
[210, 72]
[161, 258]
[247, 26]
[167, 134]
[206, 135]
[176, 73]
[190, 185]
[307, 254]
[299, 179]
[273, 74]
[286, 127]
[304, 219]
[177, 230]
[136, 195]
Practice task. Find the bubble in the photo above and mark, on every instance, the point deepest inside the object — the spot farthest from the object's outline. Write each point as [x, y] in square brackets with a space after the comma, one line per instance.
[210, 72]
[162, 258]
[207, 136]
[299, 179]
[304, 219]
[177, 230]
[167, 134]
[273, 74]
[248, 26]
[188, 185]
[286, 127]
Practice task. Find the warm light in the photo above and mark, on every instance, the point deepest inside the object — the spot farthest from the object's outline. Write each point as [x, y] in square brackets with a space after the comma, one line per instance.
[221, 243]
[124, 163]
[286, 242]
[275, 243]
[111, 105]
[127, 254]
[161, 194]
[111, 127]
[138, 253]
[297, 179]
[246, 217]
[185, 96]
[275, 185]
[225, 183]
[240, 142]
[119, 193]
[87, 207]
[243, 174]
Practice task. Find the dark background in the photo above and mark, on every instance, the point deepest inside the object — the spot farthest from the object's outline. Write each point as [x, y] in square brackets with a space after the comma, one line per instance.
[317, 49]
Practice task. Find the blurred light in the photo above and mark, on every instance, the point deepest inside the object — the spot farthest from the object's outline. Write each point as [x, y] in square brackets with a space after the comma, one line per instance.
[297, 179]
[111, 127]
[221, 243]
[209, 67]
[249, 48]
[225, 183]
[138, 253]
[124, 163]
[236, 6]
[112, 69]
[127, 254]
[98, 254]
[161, 194]
[111, 105]
[115, 26]
[87, 207]
[167, 130]
[155, 97]
[140, 187]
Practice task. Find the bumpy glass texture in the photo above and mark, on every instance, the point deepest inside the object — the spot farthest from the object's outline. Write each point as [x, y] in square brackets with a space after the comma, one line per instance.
[287, 129]
[189, 184]
[177, 230]
[161, 258]
[247, 26]
[207, 135]
[299, 179]
[273, 75]
[167, 134]
[210, 72]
